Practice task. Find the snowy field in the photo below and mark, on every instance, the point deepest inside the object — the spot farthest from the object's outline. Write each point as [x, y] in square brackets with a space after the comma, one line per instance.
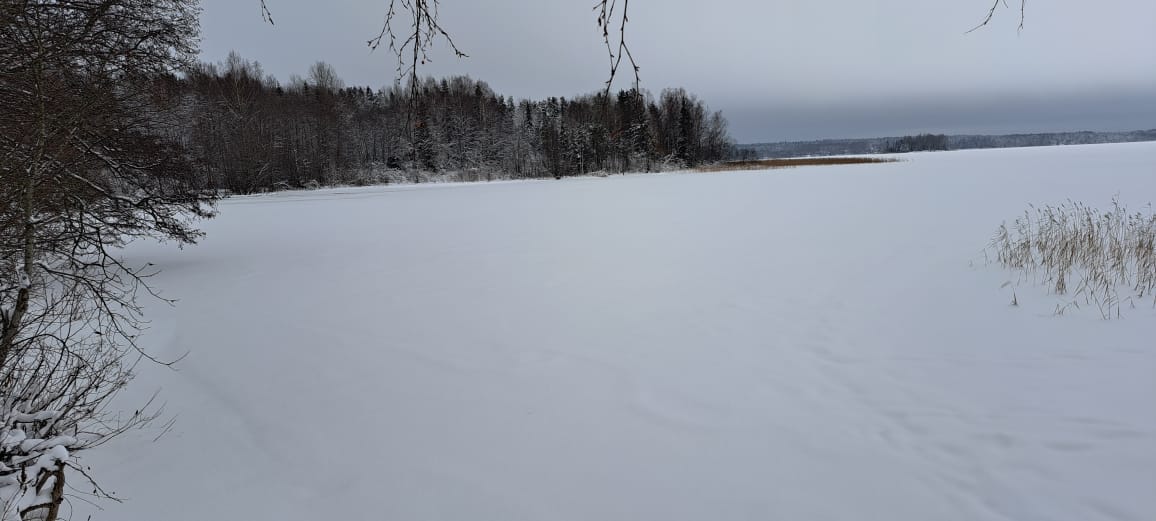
[813, 344]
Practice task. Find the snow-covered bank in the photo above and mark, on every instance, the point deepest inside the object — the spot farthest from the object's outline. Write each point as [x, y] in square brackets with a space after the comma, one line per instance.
[810, 344]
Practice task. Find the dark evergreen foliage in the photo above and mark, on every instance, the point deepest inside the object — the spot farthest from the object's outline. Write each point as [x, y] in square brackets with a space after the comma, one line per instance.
[922, 142]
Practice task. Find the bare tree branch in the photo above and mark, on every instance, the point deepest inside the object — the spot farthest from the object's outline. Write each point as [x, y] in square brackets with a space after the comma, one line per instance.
[266, 14]
[991, 14]
[605, 10]
[422, 35]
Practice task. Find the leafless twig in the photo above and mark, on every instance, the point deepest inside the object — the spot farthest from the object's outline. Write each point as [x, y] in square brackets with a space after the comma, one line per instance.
[991, 14]
[266, 14]
[605, 9]
[423, 33]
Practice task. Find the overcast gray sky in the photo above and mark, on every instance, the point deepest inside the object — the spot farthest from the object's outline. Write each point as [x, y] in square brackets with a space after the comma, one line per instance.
[778, 69]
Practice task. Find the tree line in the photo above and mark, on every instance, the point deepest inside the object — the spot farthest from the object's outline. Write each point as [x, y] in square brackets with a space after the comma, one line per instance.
[831, 147]
[922, 142]
[250, 132]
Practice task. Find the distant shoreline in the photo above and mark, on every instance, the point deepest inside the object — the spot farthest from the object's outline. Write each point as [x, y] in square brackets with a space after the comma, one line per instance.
[879, 145]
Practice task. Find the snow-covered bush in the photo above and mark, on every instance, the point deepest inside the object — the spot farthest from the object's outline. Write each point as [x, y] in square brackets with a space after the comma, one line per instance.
[670, 163]
[73, 354]
[35, 492]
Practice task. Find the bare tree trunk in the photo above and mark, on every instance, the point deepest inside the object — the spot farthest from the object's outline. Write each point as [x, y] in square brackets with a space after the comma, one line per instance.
[49, 511]
[14, 323]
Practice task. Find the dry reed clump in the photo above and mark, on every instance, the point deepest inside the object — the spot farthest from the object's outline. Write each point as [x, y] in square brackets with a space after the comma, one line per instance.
[1090, 254]
[764, 164]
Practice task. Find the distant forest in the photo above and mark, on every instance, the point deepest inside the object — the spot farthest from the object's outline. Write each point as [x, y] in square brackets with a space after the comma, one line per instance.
[249, 132]
[922, 142]
[832, 147]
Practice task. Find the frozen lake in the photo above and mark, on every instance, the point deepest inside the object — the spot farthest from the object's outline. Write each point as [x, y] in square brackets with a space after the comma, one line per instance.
[822, 343]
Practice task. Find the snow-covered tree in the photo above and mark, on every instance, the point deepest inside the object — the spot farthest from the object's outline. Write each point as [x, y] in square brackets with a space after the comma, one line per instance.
[85, 165]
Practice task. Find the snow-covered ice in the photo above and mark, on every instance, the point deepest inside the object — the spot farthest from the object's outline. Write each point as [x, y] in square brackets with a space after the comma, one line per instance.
[820, 343]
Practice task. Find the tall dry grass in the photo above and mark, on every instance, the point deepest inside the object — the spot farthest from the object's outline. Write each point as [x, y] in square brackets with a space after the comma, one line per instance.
[766, 164]
[1105, 259]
